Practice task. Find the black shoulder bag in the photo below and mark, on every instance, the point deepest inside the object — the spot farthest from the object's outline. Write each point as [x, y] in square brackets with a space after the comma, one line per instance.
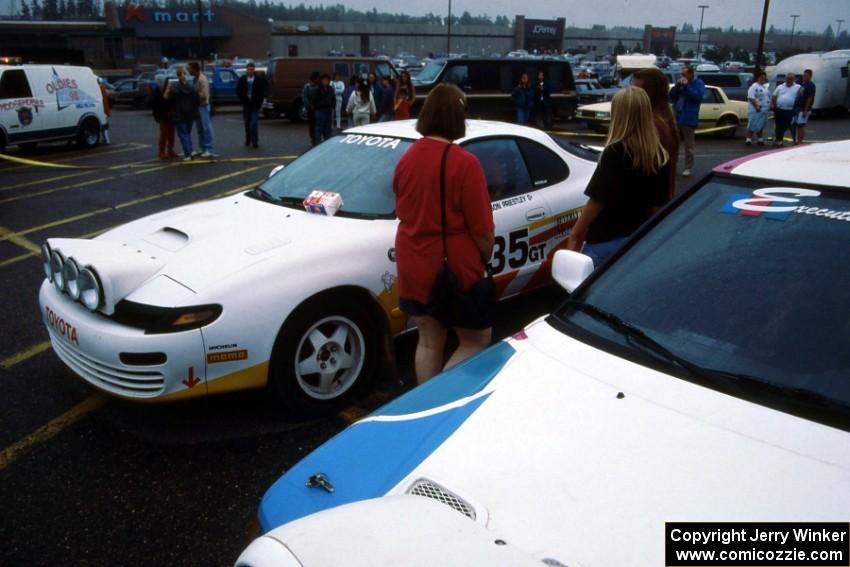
[448, 303]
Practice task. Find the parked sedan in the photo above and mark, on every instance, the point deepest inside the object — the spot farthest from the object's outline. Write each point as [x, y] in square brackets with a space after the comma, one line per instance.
[129, 91]
[252, 290]
[716, 111]
[700, 374]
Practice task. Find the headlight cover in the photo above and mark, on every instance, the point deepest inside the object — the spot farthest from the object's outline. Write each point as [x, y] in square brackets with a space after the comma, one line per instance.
[46, 254]
[90, 290]
[155, 320]
[71, 274]
[57, 262]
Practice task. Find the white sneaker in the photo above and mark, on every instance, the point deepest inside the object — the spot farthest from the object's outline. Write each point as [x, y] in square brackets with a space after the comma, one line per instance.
[207, 154]
[187, 158]
[196, 153]
[686, 173]
[749, 142]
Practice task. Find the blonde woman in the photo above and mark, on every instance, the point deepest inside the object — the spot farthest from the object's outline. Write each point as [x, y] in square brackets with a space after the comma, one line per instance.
[630, 182]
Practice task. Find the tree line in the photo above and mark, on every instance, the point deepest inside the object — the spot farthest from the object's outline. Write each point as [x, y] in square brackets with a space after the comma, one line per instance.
[60, 10]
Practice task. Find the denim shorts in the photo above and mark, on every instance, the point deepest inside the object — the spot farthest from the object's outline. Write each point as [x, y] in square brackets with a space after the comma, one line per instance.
[480, 318]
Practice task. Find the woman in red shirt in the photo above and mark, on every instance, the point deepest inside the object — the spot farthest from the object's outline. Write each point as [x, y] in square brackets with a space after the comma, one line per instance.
[403, 102]
[469, 229]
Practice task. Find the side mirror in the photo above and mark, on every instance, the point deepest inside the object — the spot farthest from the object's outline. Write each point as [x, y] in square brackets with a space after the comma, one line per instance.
[570, 268]
[276, 169]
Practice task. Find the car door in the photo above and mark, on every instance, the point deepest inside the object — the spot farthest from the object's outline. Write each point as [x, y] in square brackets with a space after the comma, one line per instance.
[226, 86]
[711, 107]
[519, 211]
[20, 111]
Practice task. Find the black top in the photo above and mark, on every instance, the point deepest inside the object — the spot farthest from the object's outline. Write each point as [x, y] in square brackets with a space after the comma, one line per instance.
[185, 100]
[325, 98]
[627, 193]
[258, 91]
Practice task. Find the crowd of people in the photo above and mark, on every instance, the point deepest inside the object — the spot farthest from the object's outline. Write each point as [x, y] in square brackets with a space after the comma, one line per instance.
[328, 99]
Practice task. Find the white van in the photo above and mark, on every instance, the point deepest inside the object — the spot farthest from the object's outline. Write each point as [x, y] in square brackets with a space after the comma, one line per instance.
[40, 103]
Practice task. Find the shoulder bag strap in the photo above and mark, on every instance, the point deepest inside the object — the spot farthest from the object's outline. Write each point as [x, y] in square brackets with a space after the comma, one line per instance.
[443, 202]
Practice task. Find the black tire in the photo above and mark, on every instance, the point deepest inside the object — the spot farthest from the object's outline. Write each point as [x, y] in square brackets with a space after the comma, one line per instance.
[728, 121]
[28, 146]
[323, 334]
[297, 113]
[89, 133]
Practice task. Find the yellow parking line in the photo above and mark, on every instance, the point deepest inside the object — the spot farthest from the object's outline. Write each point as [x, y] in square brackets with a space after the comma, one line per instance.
[53, 427]
[86, 154]
[17, 358]
[78, 185]
[24, 243]
[47, 180]
[352, 414]
[16, 259]
[128, 203]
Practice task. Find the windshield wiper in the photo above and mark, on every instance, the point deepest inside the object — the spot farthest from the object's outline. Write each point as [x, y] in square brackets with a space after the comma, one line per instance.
[636, 335]
[260, 193]
[797, 394]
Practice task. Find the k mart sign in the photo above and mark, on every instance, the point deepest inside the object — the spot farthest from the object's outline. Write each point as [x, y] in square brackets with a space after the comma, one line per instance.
[135, 14]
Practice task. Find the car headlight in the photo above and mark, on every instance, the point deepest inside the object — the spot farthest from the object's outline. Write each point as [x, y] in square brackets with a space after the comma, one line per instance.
[46, 254]
[90, 292]
[157, 320]
[57, 262]
[603, 115]
[71, 273]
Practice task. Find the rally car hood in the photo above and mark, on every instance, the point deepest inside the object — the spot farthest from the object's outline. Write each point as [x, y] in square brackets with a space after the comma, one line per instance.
[198, 246]
[574, 454]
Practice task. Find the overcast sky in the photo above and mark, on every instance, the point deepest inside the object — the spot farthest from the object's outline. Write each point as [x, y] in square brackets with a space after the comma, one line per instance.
[815, 15]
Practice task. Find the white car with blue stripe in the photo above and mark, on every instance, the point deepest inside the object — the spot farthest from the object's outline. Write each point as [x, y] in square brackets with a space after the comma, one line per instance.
[700, 374]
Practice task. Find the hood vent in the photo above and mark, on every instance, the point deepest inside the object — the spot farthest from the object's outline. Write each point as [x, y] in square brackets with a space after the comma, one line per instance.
[168, 238]
[436, 492]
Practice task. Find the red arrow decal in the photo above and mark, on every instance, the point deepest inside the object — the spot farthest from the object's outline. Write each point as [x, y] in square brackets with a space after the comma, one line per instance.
[191, 381]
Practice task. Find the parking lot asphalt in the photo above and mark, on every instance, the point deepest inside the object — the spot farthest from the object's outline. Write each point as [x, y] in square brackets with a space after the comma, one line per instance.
[90, 480]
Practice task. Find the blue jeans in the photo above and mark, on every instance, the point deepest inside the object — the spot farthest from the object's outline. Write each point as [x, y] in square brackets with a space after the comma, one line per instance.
[386, 118]
[323, 125]
[251, 118]
[184, 132]
[599, 251]
[205, 129]
[522, 116]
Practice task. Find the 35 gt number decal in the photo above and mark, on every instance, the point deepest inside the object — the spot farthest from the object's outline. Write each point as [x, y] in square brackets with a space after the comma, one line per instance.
[516, 251]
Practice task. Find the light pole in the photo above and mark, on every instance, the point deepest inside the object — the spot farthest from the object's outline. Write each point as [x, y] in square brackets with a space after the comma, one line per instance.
[793, 27]
[201, 34]
[760, 54]
[838, 30]
[449, 32]
[702, 7]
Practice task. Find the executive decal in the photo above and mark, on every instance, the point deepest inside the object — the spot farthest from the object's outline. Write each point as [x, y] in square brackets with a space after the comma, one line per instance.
[779, 203]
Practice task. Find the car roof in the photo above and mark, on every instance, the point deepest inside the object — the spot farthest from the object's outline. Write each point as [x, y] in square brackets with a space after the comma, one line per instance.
[825, 164]
[474, 129]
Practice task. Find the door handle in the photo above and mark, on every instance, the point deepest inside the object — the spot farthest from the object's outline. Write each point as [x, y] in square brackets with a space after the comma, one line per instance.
[535, 214]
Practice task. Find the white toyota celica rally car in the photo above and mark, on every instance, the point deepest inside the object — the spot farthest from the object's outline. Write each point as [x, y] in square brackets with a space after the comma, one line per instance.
[701, 374]
[241, 291]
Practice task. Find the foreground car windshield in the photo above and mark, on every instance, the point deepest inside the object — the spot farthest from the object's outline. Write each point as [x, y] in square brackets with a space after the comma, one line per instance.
[745, 278]
[357, 166]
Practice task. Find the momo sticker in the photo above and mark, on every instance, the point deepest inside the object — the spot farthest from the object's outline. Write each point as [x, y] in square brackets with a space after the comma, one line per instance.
[227, 356]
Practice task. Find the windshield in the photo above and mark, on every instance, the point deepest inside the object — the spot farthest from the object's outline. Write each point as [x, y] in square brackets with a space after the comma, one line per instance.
[358, 167]
[429, 72]
[741, 283]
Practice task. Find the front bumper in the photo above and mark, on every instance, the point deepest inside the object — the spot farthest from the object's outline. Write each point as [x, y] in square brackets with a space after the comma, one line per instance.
[91, 345]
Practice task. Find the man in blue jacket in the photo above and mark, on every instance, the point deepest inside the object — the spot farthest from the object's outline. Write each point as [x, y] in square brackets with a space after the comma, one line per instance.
[686, 96]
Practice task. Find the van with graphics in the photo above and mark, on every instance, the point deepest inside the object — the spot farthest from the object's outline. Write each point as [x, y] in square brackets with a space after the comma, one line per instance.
[45, 103]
